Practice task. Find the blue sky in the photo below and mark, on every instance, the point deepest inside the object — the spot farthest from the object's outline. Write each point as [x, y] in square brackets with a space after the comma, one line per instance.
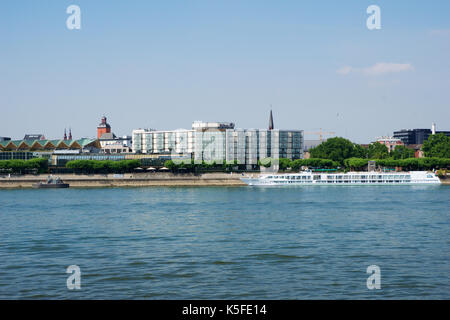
[164, 64]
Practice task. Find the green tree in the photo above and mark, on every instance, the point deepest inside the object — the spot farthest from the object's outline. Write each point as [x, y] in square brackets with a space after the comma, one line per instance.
[337, 149]
[402, 152]
[360, 152]
[355, 163]
[284, 163]
[437, 145]
[169, 164]
[377, 151]
[102, 166]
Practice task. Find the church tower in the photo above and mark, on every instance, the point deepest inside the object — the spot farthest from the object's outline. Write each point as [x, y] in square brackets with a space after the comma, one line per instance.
[103, 127]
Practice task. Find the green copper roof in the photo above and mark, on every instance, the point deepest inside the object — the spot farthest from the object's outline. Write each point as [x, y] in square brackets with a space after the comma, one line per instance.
[4, 143]
[29, 143]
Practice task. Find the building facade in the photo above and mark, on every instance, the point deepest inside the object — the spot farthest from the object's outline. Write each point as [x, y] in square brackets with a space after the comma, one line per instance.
[220, 142]
[414, 136]
[103, 127]
[390, 142]
[112, 144]
[417, 136]
[109, 142]
[163, 142]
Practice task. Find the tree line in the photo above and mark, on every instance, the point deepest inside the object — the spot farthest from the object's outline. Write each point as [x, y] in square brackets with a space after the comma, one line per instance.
[191, 166]
[103, 166]
[37, 165]
[339, 149]
[342, 153]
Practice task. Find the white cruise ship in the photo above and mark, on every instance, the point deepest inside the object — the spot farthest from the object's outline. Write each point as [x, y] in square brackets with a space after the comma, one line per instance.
[349, 178]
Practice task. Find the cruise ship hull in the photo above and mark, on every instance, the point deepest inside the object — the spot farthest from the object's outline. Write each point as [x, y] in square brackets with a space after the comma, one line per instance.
[342, 179]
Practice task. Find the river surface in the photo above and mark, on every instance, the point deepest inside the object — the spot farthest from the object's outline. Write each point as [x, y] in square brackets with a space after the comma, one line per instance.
[307, 242]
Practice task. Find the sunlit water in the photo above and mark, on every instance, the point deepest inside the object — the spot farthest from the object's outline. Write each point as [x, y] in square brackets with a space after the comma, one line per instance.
[310, 242]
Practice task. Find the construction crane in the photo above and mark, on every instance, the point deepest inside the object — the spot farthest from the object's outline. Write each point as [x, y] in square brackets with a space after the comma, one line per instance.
[320, 133]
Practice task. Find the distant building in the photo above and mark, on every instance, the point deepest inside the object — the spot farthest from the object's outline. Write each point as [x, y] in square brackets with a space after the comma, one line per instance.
[418, 153]
[103, 127]
[417, 136]
[5, 138]
[390, 142]
[65, 134]
[34, 137]
[109, 142]
[112, 144]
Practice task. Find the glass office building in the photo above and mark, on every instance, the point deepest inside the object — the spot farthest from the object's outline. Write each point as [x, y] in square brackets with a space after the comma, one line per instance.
[416, 136]
[219, 142]
[247, 146]
[175, 142]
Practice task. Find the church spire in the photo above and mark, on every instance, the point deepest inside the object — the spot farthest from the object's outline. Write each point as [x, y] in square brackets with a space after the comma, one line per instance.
[271, 120]
[65, 135]
[70, 133]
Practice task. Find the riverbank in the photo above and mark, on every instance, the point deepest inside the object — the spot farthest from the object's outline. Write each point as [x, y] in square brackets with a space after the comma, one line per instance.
[445, 180]
[128, 180]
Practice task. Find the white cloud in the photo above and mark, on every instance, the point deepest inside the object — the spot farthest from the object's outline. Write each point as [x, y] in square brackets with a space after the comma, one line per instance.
[440, 32]
[383, 68]
[377, 69]
[345, 70]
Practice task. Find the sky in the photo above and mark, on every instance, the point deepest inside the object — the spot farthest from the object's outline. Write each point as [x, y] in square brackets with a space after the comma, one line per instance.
[164, 64]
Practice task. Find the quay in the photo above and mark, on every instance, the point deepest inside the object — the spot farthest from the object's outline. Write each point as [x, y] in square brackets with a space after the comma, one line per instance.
[127, 180]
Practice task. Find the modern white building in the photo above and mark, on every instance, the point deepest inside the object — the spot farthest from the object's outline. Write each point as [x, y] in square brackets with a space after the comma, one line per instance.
[180, 141]
[111, 144]
[390, 142]
[219, 142]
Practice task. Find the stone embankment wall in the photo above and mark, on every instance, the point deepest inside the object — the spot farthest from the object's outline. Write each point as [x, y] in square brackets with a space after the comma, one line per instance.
[128, 180]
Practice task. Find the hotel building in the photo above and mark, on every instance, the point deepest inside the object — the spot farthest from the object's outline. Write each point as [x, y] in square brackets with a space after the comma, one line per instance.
[219, 142]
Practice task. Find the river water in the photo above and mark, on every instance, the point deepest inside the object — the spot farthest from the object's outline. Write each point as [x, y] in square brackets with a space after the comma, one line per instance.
[307, 242]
